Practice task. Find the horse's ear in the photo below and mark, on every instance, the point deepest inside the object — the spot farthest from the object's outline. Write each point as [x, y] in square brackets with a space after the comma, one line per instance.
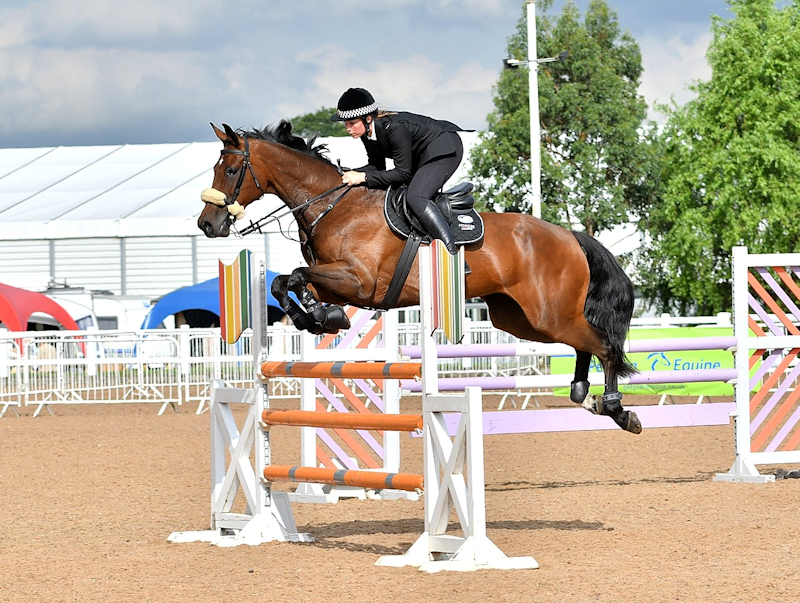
[231, 135]
[220, 134]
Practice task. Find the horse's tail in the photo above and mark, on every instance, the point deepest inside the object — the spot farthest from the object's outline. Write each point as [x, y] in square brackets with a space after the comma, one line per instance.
[609, 300]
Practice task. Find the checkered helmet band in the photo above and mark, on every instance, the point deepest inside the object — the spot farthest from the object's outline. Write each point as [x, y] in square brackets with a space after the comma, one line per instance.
[355, 102]
[353, 113]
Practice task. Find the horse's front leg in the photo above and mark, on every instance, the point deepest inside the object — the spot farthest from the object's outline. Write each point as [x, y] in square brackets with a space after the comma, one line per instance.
[344, 281]
[280, 290]
[327, 318]
[337, 281]
[299, 316]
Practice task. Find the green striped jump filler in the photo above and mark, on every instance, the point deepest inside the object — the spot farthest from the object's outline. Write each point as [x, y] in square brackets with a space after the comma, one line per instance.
[448, 288]
[234, 297]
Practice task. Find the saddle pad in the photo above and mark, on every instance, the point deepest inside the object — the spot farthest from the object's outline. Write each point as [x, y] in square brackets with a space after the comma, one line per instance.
[467, 225]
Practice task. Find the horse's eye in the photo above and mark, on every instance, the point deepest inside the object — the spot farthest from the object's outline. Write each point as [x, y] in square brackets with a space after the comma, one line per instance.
[231, 171]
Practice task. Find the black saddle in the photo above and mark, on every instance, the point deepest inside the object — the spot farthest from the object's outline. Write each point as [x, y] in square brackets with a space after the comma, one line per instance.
[456, 204]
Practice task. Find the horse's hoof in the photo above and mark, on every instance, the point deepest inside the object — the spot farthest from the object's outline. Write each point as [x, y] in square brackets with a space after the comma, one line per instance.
[329, 319]
[593, 404]
[629, 421]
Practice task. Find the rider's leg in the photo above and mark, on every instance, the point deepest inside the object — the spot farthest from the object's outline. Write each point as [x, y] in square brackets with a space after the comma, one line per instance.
[437, 227]
[426, 182]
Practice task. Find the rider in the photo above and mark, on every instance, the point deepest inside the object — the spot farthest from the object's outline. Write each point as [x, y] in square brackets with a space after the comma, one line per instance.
[425, 152]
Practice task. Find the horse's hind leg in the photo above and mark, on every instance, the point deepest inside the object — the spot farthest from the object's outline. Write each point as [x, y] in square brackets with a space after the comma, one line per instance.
[612, 403]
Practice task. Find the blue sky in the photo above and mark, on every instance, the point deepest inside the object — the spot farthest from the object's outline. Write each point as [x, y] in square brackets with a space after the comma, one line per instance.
[86, 72]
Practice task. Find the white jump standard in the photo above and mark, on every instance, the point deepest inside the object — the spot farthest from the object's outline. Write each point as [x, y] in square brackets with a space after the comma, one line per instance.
[453, 474]
[267, 515]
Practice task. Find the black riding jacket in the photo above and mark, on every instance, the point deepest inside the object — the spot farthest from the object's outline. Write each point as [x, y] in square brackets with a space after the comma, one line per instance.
[410, 140]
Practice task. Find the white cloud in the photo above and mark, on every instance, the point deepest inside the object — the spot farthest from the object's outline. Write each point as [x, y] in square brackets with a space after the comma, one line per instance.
[94, 71]
[670, 65]
[494, 8]
[84, 22]
[87, 87]
[92, 68]
[416, 83]
[354, 7]
[497, 8]
[13, 24]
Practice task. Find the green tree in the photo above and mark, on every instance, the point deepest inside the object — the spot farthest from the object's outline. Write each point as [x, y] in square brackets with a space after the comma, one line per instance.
[731, 163]
[317, 124]
[595, 163]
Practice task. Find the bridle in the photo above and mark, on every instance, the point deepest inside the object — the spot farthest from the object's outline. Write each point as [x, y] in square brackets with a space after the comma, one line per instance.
[235, 209]
[247, 166]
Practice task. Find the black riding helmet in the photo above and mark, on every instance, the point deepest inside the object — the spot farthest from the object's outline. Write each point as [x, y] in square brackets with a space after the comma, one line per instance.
[355, 103]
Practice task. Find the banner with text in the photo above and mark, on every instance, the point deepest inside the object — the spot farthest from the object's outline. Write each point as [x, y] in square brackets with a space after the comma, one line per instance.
[691, 360]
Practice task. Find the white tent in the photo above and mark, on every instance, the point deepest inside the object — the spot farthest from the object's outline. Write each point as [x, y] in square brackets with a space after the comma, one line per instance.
[122, 219]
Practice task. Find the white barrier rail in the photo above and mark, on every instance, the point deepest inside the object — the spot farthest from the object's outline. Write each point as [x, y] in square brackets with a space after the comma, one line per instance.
[68, 367]
[174, 367]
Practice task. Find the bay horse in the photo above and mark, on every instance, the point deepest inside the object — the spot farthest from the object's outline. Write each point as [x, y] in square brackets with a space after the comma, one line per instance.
[540, 281]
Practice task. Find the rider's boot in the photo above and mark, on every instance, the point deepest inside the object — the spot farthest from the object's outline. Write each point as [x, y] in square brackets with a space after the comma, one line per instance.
[437, 227]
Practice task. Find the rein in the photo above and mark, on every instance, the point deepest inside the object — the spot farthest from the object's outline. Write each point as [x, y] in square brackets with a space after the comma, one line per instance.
[271, 217]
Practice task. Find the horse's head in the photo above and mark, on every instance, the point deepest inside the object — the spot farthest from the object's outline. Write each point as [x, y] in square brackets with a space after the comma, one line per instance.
[235, 185]
[283, 164]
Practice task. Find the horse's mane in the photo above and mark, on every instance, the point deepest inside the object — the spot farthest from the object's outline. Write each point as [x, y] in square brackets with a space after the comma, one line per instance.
[282, 134]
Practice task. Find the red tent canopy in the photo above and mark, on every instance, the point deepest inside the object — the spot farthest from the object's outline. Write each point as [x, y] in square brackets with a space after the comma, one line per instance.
[17, 305]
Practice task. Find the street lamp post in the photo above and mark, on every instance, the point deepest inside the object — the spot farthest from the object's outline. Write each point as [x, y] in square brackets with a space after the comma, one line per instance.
[533, 95]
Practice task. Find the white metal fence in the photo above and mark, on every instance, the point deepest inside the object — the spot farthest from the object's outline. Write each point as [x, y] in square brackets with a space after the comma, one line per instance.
[75, 367]
[175, 367]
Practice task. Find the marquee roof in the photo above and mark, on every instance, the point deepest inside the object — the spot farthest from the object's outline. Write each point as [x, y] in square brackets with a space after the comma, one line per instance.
[146, 190]
[67, 192]
[121, 190]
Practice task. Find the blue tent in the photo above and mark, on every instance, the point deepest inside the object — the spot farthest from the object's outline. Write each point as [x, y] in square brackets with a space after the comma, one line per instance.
[203, 297]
